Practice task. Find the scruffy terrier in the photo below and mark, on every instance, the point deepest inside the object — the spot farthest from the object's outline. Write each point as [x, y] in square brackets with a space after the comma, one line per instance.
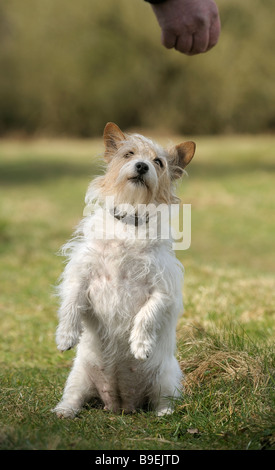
[121, 295]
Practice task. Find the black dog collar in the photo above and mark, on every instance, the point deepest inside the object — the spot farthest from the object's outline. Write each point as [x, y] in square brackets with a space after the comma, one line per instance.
[132, 219]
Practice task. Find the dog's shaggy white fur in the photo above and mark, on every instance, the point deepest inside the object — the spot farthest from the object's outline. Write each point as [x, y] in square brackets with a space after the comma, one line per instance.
[120, 295]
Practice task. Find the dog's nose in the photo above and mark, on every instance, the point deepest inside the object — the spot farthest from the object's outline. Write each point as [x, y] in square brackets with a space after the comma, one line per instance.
[141, 168]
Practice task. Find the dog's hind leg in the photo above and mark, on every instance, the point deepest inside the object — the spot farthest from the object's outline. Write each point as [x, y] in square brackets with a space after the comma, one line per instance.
[167, 389]
[79, 389]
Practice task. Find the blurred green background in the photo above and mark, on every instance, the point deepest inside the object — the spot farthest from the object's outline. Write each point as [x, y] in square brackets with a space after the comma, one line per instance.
[68, 67]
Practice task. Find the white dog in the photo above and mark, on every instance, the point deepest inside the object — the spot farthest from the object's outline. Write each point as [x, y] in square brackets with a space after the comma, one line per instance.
[121, 294]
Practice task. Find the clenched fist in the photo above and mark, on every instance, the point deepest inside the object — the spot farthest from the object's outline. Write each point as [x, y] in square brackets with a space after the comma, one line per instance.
[189, 26]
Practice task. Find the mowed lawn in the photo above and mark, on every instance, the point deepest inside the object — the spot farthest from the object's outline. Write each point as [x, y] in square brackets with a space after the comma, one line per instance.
[225, 338]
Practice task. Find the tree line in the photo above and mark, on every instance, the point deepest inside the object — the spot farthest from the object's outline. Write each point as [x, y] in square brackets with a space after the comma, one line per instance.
[66, 68]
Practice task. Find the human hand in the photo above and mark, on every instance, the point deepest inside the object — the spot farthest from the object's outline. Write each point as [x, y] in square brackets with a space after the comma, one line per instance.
[189, 26]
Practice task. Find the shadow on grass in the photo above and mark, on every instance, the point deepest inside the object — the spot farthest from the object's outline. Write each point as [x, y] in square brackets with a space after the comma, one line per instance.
[28, 172]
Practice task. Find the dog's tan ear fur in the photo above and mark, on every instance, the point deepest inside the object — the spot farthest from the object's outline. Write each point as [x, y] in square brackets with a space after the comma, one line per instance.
[112, 136]
[180, 156]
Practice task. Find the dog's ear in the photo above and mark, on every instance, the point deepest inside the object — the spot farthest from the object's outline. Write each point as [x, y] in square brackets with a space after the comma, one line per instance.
[180, 155]
[113, 137]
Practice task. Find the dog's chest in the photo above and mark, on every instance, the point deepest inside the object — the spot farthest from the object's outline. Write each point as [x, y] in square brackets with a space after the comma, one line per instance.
[119, 281]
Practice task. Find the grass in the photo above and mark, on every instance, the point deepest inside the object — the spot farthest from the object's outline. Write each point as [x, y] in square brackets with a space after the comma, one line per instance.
[225, 338]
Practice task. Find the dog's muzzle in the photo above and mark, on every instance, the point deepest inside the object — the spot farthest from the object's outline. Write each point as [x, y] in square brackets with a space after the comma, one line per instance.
[141, 168]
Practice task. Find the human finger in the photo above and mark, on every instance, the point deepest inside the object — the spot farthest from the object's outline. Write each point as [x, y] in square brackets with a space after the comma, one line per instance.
[184, 43]
[168, 39]
[200, 42]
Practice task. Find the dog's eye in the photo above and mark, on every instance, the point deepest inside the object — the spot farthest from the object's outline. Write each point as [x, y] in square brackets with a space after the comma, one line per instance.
[158, 162]
[129, 154]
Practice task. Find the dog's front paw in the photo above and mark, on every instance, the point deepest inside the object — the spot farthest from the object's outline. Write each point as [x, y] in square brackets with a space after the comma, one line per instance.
[66, 341]
[140, 350]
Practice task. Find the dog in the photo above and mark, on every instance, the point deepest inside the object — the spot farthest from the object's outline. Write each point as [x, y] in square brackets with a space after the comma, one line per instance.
[120, 296]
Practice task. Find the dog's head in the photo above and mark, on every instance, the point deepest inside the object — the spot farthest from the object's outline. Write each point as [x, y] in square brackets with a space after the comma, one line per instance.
[139, 171]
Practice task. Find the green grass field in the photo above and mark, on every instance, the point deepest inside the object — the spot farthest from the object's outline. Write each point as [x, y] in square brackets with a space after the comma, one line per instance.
[225, 338]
